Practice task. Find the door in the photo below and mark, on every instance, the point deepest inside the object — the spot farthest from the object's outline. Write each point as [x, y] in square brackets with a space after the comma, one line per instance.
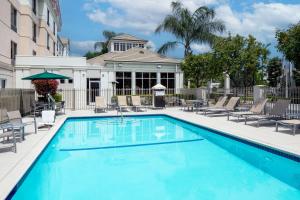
[94, 90]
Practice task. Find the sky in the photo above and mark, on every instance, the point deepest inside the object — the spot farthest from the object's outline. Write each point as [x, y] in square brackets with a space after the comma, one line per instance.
[84, 20]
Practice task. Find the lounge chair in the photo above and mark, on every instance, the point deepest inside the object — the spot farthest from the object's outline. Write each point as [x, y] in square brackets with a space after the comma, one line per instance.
[48, 118]
[100, 104]
[276, 113]
[291, 123]
[7, 133]
[122, 103]
[185, 105]
[136, 103]
[220, 104]
[230, 106]
[256, 109]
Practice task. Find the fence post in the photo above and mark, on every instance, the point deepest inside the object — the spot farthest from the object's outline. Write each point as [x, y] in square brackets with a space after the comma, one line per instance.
[259, 92]
[73, 99]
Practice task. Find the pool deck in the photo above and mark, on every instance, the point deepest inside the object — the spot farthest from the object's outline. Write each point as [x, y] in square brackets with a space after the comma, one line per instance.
[14, 165]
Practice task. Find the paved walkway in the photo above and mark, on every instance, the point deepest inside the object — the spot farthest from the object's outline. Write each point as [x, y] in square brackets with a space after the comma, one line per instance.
[14, 165]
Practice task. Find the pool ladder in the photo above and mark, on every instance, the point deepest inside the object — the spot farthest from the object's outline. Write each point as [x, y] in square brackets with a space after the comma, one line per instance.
[121, 113]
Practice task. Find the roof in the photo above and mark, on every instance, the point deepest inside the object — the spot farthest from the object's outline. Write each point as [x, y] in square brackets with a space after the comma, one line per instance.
[100, 59]
[127, 37]
[140, 55]
[132, 55]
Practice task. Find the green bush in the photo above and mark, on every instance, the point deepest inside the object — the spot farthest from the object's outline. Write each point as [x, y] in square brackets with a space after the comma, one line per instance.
[58, 97]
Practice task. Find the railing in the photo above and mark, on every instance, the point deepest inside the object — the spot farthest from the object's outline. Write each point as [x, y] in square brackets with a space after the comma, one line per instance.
[84, 99]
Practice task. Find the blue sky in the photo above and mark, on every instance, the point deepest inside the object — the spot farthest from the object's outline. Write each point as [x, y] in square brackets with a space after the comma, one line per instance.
[84, 20]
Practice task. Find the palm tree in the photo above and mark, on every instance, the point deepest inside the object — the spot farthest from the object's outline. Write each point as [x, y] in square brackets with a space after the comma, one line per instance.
[187, 27]
[104, 45]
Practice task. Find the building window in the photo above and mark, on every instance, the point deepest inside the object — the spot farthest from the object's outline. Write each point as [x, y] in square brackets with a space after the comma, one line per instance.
[54, 48]
[62, 81]
[13, 51]
[145, 80]
[124, 83]
[48, 17]
[141, 45]
[13, 18]
[168, 80]
[54, 28]
[48, 41]
[2, 83]
[34, 32]
[122, 46]
[34, 53]
[116, 46]
[134, 45]
[70, 81]
[128, 46]
[34, 6]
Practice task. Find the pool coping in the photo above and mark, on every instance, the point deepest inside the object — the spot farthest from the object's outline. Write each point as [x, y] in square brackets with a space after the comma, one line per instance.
[23, 167]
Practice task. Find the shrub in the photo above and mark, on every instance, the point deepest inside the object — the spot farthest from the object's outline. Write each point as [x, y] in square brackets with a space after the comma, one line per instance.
[58, 97]
[43, 87]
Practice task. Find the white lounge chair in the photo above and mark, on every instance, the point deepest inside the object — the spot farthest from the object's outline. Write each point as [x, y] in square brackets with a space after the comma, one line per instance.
[100, 104]
[48, 118]
[137, 104]
[122, 103]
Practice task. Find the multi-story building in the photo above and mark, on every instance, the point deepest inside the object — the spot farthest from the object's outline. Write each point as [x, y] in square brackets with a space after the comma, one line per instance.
[29, 28]
[123, 42]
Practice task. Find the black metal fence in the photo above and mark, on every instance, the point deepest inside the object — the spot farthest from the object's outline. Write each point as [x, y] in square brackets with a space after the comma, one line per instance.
[83, 99]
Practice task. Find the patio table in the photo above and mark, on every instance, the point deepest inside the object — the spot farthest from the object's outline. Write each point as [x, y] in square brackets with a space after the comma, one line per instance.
[15, 126]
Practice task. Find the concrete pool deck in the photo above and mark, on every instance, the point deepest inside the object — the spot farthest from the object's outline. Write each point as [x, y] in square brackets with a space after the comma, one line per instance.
[14, 165]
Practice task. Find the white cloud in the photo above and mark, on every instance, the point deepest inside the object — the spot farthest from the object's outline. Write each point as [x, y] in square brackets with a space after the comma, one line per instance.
[82, 47]
[151, 45]
[201, 48]
[136, 14]
[262, 21]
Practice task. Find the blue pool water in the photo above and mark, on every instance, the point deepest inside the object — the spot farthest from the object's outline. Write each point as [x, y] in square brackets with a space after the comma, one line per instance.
[155, 157]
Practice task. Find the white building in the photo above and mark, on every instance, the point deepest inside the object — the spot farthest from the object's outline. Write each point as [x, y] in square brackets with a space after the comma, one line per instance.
[129, 64]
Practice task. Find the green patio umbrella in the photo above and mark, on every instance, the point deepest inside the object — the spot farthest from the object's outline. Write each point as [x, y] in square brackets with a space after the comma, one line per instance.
[45, 76]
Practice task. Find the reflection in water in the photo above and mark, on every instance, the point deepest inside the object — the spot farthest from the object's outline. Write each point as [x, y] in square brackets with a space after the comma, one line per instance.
[112, 132]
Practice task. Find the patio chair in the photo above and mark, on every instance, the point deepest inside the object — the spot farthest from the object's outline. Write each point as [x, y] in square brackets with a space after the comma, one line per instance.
[256, 109]
[290, 123]
[230, 106]
[220, 104]
[136, 103]
[276, 113]
[122, 103]
[186, 105]
[7, 133]
[15, 119]
[48, 118]
[100, 104]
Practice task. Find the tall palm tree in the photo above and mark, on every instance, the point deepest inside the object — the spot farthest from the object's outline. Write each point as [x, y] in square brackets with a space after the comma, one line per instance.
[197, 27]
[104, 45]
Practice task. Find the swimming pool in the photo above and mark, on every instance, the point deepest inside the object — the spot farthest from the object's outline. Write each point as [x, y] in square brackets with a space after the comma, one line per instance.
[155, 157]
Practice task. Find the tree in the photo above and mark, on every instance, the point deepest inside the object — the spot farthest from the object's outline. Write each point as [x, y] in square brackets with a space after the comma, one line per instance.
[289, 45]
[43, 87]
[198, 69]
[244, 59]
[274, 71]
[188, 28]
[90, 54]
[108, 35]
